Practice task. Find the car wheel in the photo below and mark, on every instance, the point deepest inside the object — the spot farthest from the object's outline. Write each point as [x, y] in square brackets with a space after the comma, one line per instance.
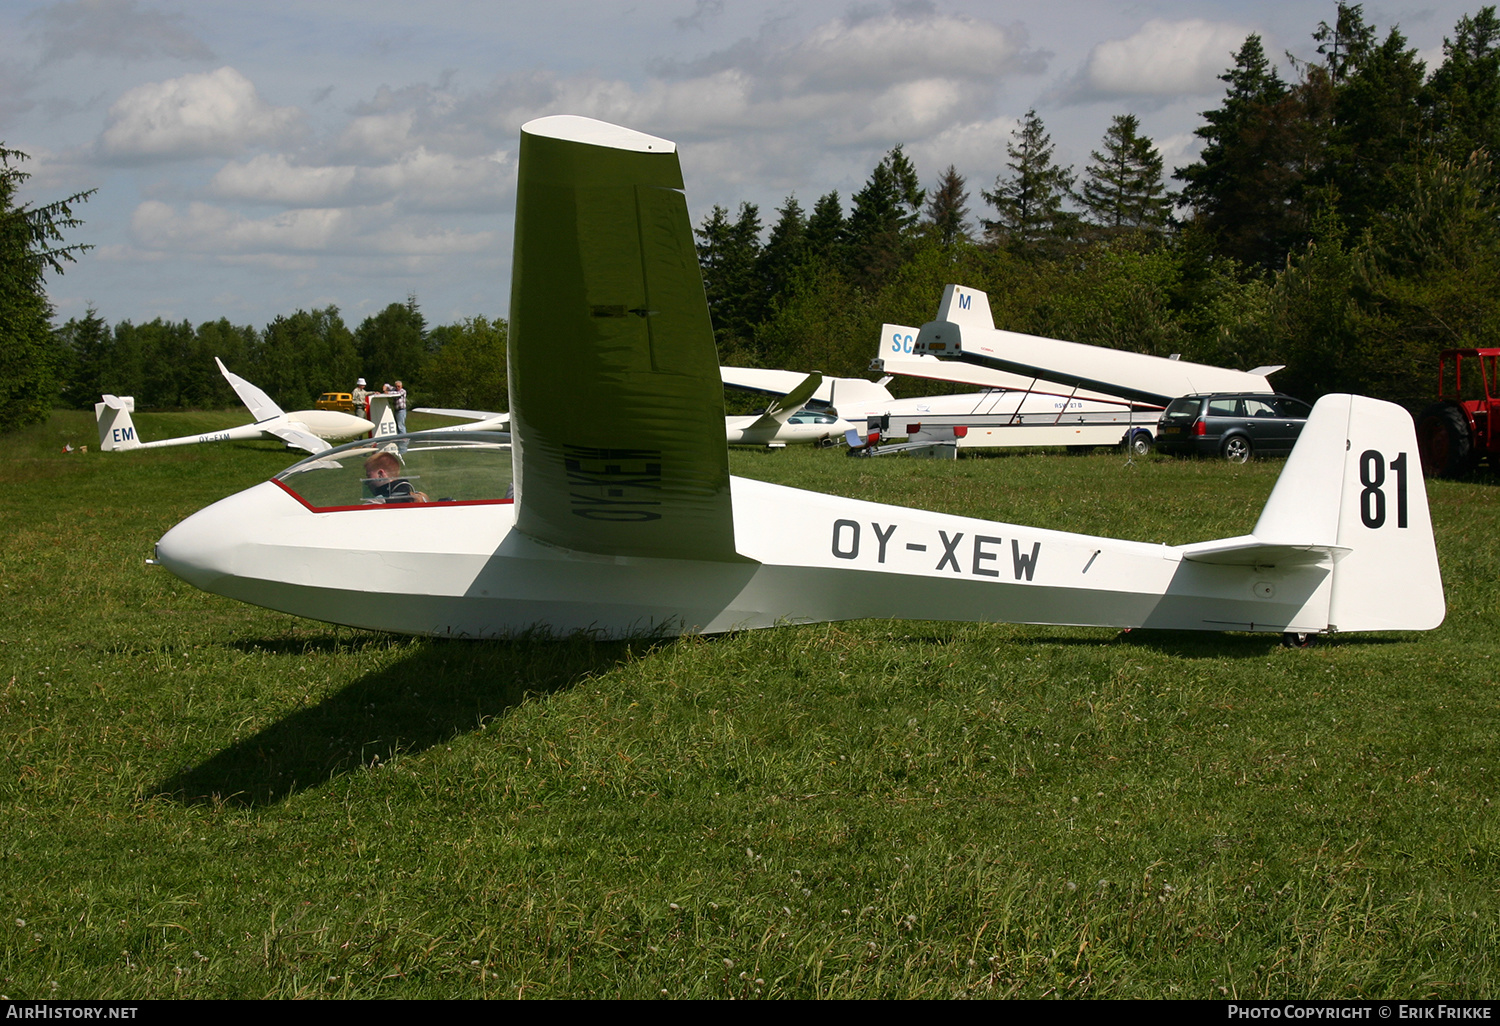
[1236, 449]
[1444, 441]
[1140, 443]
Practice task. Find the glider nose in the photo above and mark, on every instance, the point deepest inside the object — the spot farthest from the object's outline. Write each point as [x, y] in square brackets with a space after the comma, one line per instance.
[216, 545]
[196, 550]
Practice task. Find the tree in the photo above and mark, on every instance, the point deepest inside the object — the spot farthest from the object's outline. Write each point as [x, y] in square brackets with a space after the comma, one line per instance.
[1245, 188]
[1343, 44]
[29, 238]
[947, 209]
[882, 215]
[392, 345]
[1463, 95]
[89, 344]
[728, 253]
[467, 370]
[308, 353]
[825, 227]
[786, 251]
[1029, 202]
[1123, 188]
[1375, 129]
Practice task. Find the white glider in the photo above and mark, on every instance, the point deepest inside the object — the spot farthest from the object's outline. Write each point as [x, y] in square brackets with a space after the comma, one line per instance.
[626, 522]
[777, 427]
[308, 430]
[965, 330]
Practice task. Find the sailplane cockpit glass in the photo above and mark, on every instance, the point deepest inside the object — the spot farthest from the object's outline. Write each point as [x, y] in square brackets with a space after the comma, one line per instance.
[401, 471]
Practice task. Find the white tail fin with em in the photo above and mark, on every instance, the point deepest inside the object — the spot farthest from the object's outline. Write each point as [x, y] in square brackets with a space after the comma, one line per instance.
[116, 430]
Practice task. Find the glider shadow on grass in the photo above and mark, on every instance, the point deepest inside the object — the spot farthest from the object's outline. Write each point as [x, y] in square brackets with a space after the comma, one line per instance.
[441, 690]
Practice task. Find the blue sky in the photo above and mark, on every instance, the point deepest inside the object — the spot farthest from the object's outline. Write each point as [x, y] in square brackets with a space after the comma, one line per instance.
[253, 159]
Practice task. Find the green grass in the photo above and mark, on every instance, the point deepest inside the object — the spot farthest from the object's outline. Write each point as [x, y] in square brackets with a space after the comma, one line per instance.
[204, 799]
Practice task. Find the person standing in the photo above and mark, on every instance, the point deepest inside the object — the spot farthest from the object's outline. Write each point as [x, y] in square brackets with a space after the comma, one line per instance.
[398, 403]
[361, 398]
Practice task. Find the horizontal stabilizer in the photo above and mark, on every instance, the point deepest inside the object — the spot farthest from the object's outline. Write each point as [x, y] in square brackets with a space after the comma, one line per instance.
[297, 438]
[1248, 550]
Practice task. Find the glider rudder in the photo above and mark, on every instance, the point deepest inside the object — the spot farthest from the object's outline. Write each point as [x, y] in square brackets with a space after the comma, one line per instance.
[617, 407]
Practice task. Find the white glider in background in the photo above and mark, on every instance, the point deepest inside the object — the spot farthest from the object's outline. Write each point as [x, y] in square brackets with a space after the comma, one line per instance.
[777, 427]
[965, 330]
[308, 430]
[626, 522]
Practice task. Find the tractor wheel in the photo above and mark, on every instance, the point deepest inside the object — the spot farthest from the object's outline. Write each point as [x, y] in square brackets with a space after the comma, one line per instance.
[1236, 449]
[1445, 441]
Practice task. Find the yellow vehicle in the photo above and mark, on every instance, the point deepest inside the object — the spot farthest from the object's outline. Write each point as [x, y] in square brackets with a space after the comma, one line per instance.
[341, 401]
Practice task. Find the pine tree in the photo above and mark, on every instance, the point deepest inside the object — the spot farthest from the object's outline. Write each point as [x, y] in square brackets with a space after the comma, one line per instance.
[1245, 186]
[882, 215]
[728, 252]
[947, 209]
[1343, 44]
[786, 250]
[825, 227]
[29, 351]
[1029, 202]
[1463, 94]
[1376, 129]
[1123, 188]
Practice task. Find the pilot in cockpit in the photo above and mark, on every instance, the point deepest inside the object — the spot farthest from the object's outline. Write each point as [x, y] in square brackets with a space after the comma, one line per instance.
[385, 483]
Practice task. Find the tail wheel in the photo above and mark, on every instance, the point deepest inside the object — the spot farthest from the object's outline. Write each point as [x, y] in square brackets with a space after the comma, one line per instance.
[1297, 639]
[1236, 449]
[1445, 441]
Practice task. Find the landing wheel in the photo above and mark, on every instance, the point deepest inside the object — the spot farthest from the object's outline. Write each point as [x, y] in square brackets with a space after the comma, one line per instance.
[1444, 440]
[1297, 639]
[1236, 449]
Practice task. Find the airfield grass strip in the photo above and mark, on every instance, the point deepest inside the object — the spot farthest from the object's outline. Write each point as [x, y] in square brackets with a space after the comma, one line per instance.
[204, 799]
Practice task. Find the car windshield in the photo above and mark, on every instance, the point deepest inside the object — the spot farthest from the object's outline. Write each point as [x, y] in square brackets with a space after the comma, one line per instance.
[404, 470]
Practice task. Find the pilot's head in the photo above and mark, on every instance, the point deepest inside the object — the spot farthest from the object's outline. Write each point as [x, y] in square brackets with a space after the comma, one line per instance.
[382, 466]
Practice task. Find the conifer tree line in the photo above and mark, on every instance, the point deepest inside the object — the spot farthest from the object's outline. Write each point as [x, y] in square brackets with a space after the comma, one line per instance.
[1344, 221]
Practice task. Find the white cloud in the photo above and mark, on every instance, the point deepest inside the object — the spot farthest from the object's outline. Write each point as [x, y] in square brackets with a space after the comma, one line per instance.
[214, 230]
[1164, 58]
[417, 180]
[214, 114]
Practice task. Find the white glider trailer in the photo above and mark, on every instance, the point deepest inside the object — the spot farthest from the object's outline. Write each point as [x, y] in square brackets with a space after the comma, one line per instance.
[627, 522]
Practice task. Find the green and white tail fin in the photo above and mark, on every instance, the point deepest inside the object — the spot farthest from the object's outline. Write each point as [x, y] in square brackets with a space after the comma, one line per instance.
[116, 430]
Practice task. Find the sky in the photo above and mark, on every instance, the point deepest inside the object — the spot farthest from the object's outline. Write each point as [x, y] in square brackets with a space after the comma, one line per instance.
[255, 159]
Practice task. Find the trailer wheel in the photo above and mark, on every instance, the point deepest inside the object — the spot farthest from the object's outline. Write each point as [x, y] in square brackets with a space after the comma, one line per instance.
[1236, 449]
[1444, 440]
[1139, 443]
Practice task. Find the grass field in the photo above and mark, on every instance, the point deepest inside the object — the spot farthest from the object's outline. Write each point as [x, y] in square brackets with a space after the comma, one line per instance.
[203, 799]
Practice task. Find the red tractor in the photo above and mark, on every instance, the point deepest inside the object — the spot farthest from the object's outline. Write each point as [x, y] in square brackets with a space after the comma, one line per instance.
[1459, 430]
